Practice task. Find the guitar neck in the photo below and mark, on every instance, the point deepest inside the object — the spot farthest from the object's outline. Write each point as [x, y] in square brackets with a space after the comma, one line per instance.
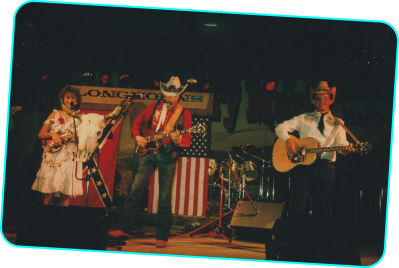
[158, 137]
[324, 149]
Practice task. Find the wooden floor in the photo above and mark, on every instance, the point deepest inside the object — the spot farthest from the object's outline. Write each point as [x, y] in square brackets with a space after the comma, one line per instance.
[246, 247]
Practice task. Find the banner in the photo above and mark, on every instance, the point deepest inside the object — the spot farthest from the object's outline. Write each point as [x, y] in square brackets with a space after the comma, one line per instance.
[103, 172]
[190, 188]
[110, 95]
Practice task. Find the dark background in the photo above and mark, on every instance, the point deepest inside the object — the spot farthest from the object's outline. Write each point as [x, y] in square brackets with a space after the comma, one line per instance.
[143, 41]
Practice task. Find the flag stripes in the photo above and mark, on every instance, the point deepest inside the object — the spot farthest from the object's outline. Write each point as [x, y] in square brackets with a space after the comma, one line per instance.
[190, 188]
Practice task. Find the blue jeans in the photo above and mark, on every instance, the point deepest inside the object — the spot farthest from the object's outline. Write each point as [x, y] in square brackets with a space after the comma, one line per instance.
[146, 165]
[318, 181]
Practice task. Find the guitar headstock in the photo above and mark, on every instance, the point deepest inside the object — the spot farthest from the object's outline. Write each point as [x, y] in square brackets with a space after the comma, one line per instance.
[362, 147]
[199, 129]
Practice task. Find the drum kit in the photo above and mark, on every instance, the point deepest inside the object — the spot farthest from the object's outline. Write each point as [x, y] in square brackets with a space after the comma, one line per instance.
[256, 183]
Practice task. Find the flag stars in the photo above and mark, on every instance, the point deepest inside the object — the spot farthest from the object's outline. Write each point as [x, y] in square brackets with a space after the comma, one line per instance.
[93, 170]
[104, 195]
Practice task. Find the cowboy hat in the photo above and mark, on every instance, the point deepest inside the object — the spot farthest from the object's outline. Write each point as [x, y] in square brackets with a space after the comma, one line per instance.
[322, 88]
[173, 87]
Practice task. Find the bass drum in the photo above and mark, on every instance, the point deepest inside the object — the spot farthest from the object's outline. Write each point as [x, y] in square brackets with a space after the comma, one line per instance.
[213, 204]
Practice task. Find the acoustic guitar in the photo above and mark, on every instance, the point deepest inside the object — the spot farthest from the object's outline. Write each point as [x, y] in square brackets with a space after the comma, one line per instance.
[154, 139]
[308, 152]
[49, 146]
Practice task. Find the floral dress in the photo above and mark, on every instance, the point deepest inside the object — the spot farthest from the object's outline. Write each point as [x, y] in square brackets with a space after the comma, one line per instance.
[58, 170]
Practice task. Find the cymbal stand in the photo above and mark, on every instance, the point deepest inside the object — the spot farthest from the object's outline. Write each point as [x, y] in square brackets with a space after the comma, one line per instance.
[219, 229]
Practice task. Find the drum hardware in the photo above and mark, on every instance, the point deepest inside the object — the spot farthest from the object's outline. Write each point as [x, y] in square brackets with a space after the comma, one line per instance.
[252, 202]
[268, 195]
[243, 148]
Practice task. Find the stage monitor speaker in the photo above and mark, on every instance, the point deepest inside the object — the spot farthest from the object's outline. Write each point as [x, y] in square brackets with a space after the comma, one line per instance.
[65, 227]
[246, 216]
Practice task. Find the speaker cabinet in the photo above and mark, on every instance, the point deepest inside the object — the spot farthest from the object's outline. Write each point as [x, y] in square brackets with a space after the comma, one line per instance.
[246, 216]
[65, 227]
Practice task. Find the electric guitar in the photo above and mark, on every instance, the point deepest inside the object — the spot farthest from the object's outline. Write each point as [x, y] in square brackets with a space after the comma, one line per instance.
[49, 146]
[309, 150]
[154, 139]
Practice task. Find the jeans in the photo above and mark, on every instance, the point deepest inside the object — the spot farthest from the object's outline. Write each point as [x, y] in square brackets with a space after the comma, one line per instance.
[318, 181]
[146, 165]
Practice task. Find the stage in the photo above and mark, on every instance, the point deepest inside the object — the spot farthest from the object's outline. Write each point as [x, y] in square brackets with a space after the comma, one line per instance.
[247, 244]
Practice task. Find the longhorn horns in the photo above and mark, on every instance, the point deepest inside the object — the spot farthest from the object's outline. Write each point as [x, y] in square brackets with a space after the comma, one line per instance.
[77, 114]
[115, 112]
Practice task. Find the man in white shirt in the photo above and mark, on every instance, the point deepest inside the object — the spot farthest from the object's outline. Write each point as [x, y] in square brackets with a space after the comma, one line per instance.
[317, 179]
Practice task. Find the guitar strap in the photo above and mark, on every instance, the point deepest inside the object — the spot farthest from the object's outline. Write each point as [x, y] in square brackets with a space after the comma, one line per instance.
[173, 119]
[346, 129]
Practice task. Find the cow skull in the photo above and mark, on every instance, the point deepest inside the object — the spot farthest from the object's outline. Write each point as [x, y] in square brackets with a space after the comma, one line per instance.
[90, 130]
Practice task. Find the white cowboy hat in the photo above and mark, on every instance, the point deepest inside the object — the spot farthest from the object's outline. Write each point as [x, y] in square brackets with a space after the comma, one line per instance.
[322, 88]
[173, 87]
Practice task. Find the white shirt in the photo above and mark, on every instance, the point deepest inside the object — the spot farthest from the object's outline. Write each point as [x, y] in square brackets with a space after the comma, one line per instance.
[307, 126]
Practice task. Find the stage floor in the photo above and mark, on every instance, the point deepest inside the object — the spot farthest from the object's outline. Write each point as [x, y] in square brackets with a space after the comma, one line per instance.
[247, 246]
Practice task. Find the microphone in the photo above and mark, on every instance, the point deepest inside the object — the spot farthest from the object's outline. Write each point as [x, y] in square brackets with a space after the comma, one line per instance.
[72, 105]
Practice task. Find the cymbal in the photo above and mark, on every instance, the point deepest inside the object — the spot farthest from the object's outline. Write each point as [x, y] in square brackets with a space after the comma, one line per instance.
[243, 147]
[264, 150]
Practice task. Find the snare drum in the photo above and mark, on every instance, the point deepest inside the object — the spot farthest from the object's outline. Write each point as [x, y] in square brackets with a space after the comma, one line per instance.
[249, 169]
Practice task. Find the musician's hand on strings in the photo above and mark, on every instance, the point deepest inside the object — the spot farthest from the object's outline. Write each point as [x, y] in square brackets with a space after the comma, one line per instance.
[290, 146]
[348, 149]
[141, 141]
[56, 138]
[176, 137]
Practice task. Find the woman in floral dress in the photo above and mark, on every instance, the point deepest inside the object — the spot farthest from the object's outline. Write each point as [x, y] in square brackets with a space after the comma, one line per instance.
[57, 173]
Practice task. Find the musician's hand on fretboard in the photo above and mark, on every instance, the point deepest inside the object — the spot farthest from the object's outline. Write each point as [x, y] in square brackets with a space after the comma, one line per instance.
[348, 149]
[176, 137]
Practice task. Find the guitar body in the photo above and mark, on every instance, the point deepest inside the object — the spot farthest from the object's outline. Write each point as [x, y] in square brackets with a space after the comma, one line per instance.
[154, 138]
[150, 146]
[283, 162]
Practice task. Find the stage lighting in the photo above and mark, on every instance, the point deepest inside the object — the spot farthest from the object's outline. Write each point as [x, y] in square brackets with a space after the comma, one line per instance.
[156, 83]
[207, 86]
[105, 80]
[194, 83]
[124, 80]
[88, 79]
[270, 85]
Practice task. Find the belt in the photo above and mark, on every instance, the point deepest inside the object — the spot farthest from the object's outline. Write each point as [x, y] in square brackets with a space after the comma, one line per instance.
[166, 145]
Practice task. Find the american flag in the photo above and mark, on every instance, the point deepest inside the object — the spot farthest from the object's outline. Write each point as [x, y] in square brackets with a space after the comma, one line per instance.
[190, 187]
